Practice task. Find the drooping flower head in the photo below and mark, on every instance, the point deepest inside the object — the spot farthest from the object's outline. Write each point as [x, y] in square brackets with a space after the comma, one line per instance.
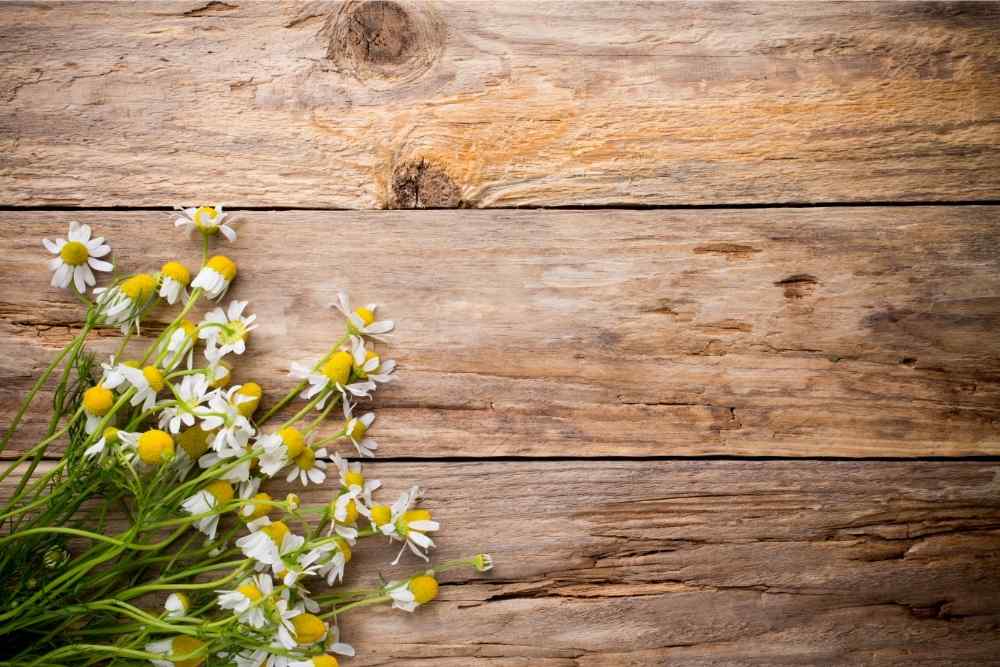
[216, 276]
[207, 220]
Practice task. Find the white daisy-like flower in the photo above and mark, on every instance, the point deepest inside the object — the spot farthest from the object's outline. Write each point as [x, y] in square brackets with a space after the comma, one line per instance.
[174, 279]
[309, 466]
[234, 429]
[108, 437]
[216, 276]
[410, 525]
[147, 382]
[175, 650]
[355, 490]
[280, 449]
[356, 430]
[179, 346]
[269, 541]
[410, 594]
[122, 304]
[76, 258]
[97, 402]
[226, 331]
[368, 365]
[362, 320]
[177, 605]
[209, 220]
[189, 395]
[218, 372]
[205, 501]
[285, 632]
[112, 376]
[245, 600]
[334, 373]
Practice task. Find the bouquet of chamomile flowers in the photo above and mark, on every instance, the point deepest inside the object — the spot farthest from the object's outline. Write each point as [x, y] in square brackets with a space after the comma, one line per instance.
[153, 538]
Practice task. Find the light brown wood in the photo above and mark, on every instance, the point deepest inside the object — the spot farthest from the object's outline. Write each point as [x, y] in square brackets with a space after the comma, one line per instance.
[395, 103]
[793, 332]
[696, 563]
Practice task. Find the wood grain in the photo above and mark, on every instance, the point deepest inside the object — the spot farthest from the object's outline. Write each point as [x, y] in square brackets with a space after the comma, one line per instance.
[793, 332]
[697, 563]
[395, 103]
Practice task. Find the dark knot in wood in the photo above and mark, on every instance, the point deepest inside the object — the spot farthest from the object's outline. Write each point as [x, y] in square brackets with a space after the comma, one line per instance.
[419, 184]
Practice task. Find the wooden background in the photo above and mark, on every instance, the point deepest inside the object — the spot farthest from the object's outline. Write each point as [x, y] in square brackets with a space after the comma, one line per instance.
[713, 367]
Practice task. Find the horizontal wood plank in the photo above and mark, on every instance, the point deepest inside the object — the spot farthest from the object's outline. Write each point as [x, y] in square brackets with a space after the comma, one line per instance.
[792, 332]
[399, 103]
[696, 563]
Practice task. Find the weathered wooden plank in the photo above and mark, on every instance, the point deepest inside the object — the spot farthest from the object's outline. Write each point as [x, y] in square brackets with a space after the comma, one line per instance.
[698, 562]
[395, 103]
[802, 332]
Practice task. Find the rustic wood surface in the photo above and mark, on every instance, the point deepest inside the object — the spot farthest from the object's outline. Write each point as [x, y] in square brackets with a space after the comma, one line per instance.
[540, 345]
[696, 562]
[398, 103]
[843, 332]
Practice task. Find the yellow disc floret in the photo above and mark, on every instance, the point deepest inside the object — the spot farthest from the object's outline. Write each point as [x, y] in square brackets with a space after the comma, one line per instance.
[306, 459]
[381, 514]
[224, 266]
[366, 316]
[183, 645]
[194, 441]
[221, 490]
[98, 400]
[74, 253]
[276, 531]
[344, 547]
[338, 367]
[355, 429]
[294, 442]
[369, 355]
[176, 271]
[247, 398]
[205, 219]
[424, 588]
[154, 377]
[110, 434]
[190, 328]
[354, 478]
[139, 287]
[351, 510]
[413, 515]
[260, 507]
[325, 660]
[250, 592]
[155, 447]
[223, 375]
[309, 629]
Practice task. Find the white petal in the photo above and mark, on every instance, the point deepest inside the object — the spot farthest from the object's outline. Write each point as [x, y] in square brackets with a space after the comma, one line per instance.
[100, 265]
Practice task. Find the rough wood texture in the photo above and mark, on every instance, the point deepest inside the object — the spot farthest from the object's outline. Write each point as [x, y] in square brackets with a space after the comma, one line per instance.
[394, 103]
[801, 332]
[697, 563]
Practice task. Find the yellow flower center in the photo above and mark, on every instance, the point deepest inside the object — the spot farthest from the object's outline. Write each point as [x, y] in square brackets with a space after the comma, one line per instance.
[185, 645]
[381, 514]
[177, 271]
[276, 531]
[369, 355]
[338, 368]
[306, 460]
[294, 442]
[250, 592]
[222, 376]
[352, 511]
[184, 600]
[221, 490]
[98, 400]
[74, 253]
[413, 515]
[224, 266]
[155, 447]
[139, 287]
[194, 441]
[355, 431]
[367, 316]
[154, 377]
[250, 390]
[110, 434]
[309, 629]
[190, 328]
[204, 219]
[261, 507]
[344, 547]
[325, 661]
[354, 478]
[424, 588]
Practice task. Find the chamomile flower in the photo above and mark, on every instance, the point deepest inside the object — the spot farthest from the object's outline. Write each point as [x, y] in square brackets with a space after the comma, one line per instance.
[226, 331]
[368, 365]
[205, 501]
[268, 542]
[308, 629]
[246, 398]
[216, 276]
[355, 489]
[316, 661]
[234, 430]
[356, 430]
[177, 605]
[76, 258]
[208, 220]
[122, 304]
[174, 279]
[108, 437]
[245, 600]
[362, 320]
[410, 594]
[112, 376]
[332, 561]
[147, 382]
[179, 346]
[280, 449]
[335, 372]
[189, 396]
[258, 504]
[179, 651]
[285, 634]
[409, 524]
[218, 372]
[154, 447]
[308, 466]
[97, 402]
